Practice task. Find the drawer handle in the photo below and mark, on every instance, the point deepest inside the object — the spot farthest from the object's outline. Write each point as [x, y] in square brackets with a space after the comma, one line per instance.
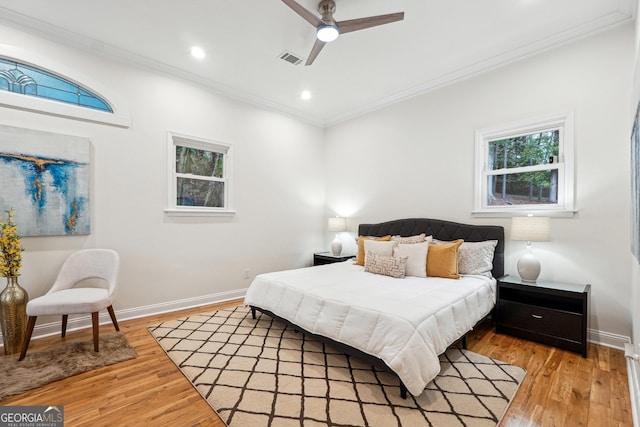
[536, 316]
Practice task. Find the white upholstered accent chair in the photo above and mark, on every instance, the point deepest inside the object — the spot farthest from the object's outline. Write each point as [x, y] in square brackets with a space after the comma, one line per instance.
[65, 298]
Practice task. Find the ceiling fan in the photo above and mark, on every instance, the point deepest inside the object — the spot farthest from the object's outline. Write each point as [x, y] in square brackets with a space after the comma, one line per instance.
[327, 29]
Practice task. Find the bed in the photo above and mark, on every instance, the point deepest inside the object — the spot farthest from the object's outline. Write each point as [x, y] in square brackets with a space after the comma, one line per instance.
[401, 324]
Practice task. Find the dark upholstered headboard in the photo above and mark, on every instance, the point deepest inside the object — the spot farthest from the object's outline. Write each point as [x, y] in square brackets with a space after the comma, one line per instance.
[442, 230]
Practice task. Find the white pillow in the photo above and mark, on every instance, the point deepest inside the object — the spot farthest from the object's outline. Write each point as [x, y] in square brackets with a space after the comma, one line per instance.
[379, 247]
[476, 257]
[417, 257]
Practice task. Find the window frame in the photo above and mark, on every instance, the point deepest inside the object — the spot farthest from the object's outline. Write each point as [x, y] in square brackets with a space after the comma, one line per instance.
[173, 209]
[565, 207]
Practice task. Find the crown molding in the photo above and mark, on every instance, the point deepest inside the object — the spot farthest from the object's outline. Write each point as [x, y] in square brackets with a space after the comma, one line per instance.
[625, 13]
[71, 39]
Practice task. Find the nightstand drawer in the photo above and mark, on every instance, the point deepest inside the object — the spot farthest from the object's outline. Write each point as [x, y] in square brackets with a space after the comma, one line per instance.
[562, 324]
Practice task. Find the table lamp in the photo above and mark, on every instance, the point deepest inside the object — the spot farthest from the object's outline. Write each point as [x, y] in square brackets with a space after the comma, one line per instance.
[337, 225]
[531, 229]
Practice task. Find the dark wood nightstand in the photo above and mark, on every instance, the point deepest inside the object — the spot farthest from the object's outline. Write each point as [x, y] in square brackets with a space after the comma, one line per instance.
[322, 258]
[552, 313]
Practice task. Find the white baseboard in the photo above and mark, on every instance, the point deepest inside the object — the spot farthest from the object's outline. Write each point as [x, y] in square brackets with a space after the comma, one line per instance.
[83, 322]
[633, 370]
[608, 339]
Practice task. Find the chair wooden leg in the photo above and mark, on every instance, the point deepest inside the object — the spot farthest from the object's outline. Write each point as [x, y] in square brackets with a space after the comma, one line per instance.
[65, 317]
[112, 314]
[96, 331]
[27, 337]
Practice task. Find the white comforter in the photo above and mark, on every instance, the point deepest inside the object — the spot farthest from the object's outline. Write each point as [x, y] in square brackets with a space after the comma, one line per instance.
[405, 322]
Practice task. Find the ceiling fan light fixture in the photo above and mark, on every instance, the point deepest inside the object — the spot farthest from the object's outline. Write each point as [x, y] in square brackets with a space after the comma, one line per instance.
[327, 33]
[197, 52]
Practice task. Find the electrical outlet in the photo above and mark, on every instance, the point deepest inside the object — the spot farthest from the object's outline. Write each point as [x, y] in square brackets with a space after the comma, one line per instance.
[246, 273]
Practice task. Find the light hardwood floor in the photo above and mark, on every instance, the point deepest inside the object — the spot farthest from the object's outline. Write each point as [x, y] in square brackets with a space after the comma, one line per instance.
[560, 389]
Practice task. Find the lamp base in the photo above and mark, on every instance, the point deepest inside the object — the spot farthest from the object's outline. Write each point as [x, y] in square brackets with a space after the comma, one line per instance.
[336, 246]
[529, 268]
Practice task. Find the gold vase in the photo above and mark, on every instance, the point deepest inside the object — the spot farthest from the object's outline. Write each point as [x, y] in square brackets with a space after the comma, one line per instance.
[13, 315]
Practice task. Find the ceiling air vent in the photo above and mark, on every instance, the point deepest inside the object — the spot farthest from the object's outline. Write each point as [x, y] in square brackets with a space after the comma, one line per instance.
[290, 57]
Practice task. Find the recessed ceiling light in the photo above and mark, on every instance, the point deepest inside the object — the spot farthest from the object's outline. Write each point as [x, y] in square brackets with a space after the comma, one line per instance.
[305, 95]
[197, 52]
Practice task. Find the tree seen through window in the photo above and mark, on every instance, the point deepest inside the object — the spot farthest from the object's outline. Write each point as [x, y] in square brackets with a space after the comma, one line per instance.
[523, 169]
[199, 177]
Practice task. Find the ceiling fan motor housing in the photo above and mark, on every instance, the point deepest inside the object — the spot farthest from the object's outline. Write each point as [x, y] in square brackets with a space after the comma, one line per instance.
[329, 31]
[326, 9]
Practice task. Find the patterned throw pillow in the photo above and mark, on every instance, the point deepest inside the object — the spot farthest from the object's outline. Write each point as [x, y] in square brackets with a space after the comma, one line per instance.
[476, 257]
[420, 238]
[385, 265]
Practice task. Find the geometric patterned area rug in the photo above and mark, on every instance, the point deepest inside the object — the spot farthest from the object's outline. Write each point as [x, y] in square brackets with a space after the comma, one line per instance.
[263, 373]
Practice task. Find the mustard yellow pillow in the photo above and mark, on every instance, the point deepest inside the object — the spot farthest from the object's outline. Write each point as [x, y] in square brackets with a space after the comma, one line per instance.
[361, 239]
[442, 259]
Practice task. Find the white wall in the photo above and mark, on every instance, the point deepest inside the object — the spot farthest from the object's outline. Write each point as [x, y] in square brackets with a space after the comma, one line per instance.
[279, 187]
[415, 159]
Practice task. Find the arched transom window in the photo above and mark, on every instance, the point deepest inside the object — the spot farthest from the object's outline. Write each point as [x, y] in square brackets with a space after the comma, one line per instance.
[28, 80]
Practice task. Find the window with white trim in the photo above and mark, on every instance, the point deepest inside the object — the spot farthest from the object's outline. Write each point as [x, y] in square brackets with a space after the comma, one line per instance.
[200, 176]
[525, 167]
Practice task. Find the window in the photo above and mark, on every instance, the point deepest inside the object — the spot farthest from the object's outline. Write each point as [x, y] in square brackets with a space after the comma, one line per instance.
[525, 167]
[200, 176]
[28, 80]
[40, 84]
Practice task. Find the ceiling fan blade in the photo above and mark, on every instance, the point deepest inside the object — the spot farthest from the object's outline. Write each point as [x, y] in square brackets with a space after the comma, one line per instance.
[308, 16]
[372, 21]
[317, 47]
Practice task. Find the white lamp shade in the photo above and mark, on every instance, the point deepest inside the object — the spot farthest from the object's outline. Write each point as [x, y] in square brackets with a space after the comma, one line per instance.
[337, 224]
[531, 228]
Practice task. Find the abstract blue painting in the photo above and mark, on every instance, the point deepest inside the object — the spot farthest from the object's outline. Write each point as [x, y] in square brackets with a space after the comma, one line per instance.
[45, 177]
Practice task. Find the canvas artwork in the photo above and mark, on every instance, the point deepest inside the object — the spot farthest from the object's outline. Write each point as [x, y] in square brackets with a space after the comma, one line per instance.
[635, 186]
[45, 177]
